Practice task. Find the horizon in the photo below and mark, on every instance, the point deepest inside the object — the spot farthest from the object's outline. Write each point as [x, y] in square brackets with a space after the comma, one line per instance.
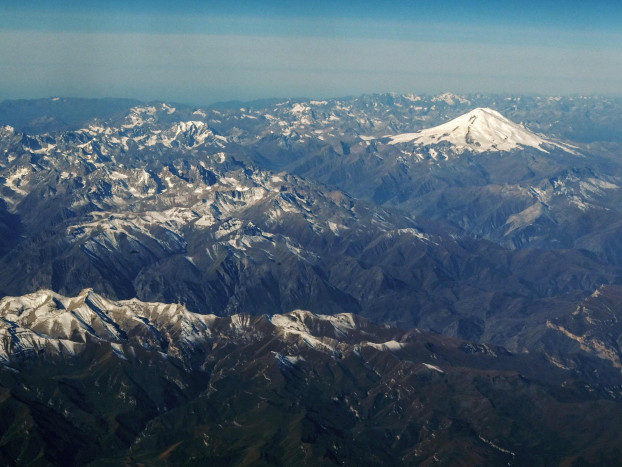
[221, 52]
[278, 99]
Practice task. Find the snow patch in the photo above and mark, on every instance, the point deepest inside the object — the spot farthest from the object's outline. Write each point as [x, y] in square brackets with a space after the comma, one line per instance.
[433, 367]
[524, 218]
[391, 345]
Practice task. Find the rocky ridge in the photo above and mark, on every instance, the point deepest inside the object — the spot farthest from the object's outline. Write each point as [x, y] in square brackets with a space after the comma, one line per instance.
[128, 381]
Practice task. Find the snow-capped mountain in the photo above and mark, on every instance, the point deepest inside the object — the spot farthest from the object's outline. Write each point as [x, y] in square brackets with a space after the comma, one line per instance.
[480, 130]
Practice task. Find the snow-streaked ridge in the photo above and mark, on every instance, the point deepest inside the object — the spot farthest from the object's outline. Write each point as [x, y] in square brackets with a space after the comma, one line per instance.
[480, 130]
[45, 322]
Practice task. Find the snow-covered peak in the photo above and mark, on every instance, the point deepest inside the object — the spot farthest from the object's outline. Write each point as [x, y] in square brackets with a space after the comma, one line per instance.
[190, 134]
[479, 130]
[7, 130]
[139, 116]
[308, 327]
[450, 98]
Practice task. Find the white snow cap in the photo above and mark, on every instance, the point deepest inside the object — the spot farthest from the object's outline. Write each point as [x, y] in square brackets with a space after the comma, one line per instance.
[480, 130]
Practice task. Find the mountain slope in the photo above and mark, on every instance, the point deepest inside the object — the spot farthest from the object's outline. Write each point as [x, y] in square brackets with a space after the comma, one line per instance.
[85, 379]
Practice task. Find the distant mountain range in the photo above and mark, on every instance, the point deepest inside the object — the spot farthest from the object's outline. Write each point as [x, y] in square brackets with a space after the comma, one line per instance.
[383, 267]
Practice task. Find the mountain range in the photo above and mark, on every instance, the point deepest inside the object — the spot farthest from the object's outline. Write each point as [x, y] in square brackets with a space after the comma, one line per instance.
[381, 279]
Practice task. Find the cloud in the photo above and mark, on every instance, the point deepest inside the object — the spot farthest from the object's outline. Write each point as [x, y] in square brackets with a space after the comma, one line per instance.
[202, 68]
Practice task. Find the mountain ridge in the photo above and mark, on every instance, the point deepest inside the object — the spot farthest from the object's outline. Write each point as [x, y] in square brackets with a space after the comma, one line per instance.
[127, 382]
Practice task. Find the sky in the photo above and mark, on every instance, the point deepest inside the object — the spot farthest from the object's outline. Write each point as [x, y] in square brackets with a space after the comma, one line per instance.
[202, 52]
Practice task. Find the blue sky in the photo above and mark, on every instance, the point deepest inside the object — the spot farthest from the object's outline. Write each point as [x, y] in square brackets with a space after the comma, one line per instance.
[201, 52]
